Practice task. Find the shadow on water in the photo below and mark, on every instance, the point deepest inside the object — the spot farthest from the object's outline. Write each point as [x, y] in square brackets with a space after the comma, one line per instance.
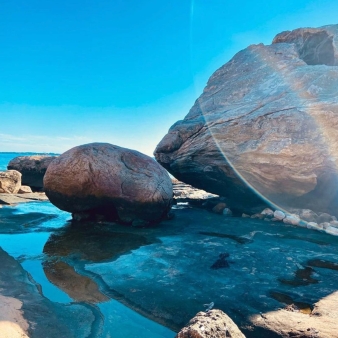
[302, 277]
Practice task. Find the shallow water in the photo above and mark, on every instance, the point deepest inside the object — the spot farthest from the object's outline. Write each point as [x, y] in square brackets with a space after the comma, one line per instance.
[141, 282]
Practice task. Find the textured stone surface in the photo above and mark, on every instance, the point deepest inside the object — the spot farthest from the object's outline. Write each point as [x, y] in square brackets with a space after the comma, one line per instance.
[214, 323]
[32, 168]
[10, 181]
[321, 323]
[267, 119]
[25, 189]
[105, 179]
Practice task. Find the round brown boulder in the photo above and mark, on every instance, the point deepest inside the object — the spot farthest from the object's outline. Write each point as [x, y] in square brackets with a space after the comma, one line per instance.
[10, 181]
[115, 182]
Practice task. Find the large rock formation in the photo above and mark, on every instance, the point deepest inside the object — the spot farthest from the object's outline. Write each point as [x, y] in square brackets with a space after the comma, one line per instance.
[266, 122]
[32, 168]
[214, 323]
[115, 182]
[10, 181]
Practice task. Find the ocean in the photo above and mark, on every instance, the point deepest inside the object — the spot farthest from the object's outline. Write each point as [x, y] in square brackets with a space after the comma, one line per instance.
[5, 157]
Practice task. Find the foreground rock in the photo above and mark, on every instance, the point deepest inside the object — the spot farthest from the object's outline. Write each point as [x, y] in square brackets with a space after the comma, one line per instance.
[214, 323]
[32, 168]
[266, 119]
[10, 181]
[290, 322]
[107, 180]
[22, 198]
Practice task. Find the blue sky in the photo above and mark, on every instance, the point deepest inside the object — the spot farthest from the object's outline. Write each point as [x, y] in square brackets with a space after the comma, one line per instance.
[123, 71]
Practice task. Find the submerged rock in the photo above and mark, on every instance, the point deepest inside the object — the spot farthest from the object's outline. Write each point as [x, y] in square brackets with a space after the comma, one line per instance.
[115, 182]
[267, 119]
[214, 323]
[32, 168]
[10, 181]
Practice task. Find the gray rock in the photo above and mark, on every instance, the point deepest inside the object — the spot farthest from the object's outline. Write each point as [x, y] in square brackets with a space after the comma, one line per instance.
[291, 219]
[105, 179]
[32, 168]
[314, 226]
[10, 181]
[267, 212]
[324, 217]
[214, 323]
[268, 118]
[279, 215]
[308, 215]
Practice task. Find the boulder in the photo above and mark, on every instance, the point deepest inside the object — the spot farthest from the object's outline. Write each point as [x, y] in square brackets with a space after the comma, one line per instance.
[219, 207]
[10, 181]
[104, 179]
[279, 215]
[214, 323]
[32, 168]
[265, 126]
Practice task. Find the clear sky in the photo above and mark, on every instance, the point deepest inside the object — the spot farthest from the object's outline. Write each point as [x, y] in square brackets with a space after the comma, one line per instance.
[123, 71]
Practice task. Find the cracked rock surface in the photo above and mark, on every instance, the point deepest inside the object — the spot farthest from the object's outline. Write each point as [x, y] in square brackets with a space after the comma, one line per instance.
[111, 181]
[266, 120]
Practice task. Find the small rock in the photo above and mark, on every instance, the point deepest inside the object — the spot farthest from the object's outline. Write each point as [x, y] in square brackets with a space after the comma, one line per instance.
[323, 217]
[245, 215]
[227, 212]
[331, 231]
[308, 215]
[219, 207]
[324, 225]
[267, 212]
[279, 215]
[291, 219]
[334, 224]
[314, 226]
[25, 189]
[215, 323]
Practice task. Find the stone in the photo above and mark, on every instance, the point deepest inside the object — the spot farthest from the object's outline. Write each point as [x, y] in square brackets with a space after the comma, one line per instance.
[218, 208]
[227, 212]
[334, 224]
[265, 125]
[32, 168]
[321, 322]
[9, 199]
[104, 179]
[308, 215]
[10, 181]
[291, 219]
[324, 225]
[25, 189]
[214, 323]
[279, 215]
[331, 230]
[323, 217]
[267, 212]
[245, 215]
[314, 226]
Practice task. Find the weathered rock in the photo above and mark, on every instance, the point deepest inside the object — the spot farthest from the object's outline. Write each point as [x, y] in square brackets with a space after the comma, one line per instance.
[10, 181]
[25, 189]
[308, 215]
[22, 198]
[214, 323]
[322, 322]
[219, 207]
[267, 212]
[266, 119]
[108, 180]
[32, 168]
[279, 215]
[324, 217]
[291, 219]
